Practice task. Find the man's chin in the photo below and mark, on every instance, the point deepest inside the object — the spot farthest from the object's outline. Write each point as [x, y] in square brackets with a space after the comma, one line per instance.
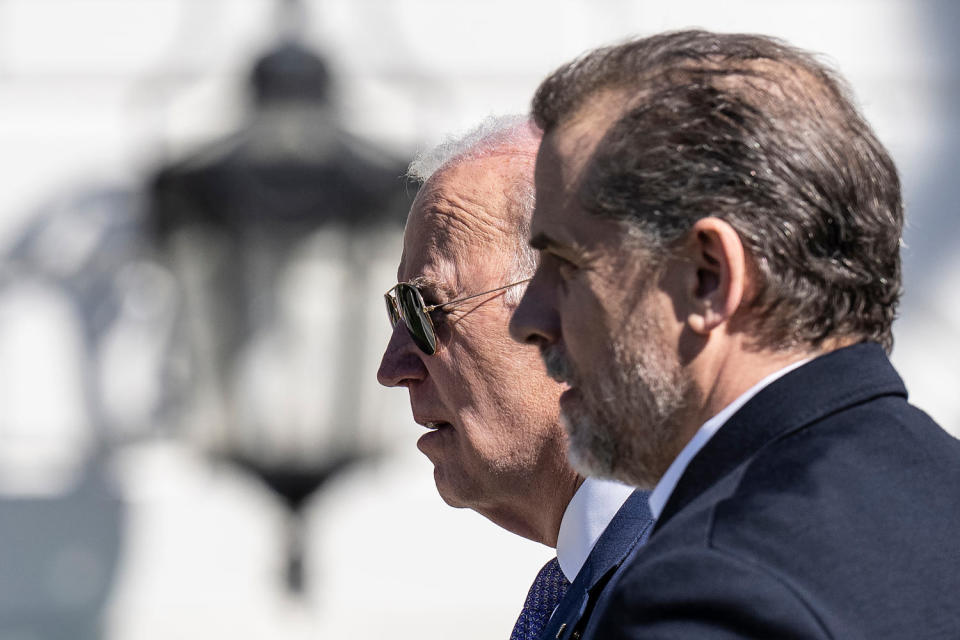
[453, 501]
[448, 492]
[594, 452]
[589, 454]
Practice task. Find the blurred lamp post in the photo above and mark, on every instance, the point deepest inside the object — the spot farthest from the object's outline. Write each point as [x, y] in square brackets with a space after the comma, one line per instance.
[271, 233]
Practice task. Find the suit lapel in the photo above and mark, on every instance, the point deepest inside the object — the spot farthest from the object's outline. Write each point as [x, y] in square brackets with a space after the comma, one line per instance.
[629, 527]
[827, 384]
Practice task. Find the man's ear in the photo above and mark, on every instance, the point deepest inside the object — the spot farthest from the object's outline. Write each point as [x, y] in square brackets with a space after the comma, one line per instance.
[716, 282]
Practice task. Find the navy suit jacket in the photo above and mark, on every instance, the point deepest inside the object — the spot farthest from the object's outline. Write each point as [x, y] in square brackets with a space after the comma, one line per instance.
[827, 507]
[628, 529]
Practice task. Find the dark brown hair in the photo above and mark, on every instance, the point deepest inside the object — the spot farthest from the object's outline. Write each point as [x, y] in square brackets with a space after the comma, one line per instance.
[762, 135]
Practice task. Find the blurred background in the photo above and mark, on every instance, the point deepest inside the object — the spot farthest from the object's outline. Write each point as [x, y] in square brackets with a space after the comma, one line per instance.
[192, 441]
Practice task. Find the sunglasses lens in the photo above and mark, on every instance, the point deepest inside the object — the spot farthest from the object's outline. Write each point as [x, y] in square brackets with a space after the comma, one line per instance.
[418, 322]
[392, 312]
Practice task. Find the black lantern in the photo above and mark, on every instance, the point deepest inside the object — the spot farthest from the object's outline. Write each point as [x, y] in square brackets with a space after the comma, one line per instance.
[270, 232]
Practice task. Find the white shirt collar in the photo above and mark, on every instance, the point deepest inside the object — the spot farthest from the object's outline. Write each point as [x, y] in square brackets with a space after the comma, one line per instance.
[586, 518]
[661, 493]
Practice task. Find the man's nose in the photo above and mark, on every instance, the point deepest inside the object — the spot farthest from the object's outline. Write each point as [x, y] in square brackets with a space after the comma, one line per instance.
[401, 363]
[535, 320]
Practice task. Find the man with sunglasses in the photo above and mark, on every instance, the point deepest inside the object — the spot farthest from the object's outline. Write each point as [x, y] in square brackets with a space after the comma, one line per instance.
[491, 411]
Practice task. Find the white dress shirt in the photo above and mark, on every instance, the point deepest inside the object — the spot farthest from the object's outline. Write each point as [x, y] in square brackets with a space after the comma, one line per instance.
[586, 518]
[661, 493]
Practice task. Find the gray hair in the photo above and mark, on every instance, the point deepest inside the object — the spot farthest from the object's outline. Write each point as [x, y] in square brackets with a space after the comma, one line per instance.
[494, 135]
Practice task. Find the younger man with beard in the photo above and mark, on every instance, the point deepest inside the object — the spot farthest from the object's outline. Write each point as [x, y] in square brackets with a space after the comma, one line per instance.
[719, 234]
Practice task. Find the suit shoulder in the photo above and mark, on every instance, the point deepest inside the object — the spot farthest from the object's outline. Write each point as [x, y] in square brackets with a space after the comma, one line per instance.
[871, 459]
[687, 592]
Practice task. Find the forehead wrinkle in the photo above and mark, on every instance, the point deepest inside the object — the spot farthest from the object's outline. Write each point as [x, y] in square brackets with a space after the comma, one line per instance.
[475, 193]
[462, 223]
[459, 226]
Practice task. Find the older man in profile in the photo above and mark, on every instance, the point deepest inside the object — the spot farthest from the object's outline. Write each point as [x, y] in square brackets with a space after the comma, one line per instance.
[491, 411]
[719, 233]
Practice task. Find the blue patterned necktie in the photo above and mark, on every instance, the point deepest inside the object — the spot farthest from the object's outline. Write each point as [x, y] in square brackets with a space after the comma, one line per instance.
[542, 599]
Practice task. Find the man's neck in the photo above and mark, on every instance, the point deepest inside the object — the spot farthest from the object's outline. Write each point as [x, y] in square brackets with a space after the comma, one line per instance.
[709, 427]
[721, 380]
[537, 518]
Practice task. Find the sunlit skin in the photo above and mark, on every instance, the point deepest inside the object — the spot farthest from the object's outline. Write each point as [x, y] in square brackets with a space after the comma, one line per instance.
[596, 291]
[501, 449]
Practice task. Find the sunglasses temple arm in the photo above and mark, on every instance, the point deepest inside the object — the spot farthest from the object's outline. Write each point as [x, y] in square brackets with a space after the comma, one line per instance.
[430, 308]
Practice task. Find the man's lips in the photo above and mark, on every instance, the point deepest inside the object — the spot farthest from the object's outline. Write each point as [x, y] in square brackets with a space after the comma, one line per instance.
[438, 431]
[433, 422]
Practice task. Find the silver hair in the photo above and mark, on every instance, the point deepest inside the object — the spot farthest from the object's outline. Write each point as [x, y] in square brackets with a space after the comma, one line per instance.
[495, 135]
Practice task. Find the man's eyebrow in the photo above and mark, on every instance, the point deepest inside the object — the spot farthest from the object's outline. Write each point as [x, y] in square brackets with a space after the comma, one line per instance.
[423, 282]
[430, 287]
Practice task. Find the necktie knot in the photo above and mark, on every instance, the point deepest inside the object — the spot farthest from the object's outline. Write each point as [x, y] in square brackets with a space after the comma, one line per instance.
[547, 590]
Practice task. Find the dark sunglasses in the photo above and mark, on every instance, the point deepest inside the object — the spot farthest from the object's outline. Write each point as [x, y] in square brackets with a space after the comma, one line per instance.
[404, 302]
